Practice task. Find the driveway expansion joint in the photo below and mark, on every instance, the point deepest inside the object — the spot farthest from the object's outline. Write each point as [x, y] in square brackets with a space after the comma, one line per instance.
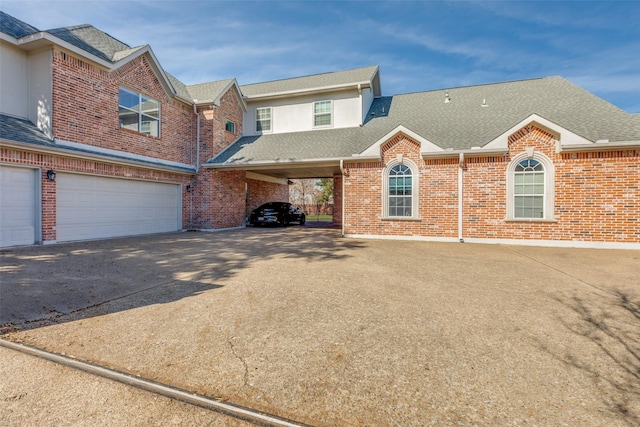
[235, 411]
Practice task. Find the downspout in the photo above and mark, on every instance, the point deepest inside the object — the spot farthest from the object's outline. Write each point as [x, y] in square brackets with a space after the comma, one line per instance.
[197, 165]
[195, 110]
[342, 196]
[460, 194]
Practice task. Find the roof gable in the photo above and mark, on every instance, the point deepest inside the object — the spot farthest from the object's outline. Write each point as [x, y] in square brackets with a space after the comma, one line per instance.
[212, 92]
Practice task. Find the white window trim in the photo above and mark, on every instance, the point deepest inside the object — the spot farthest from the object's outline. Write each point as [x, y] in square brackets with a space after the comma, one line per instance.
[271, 120]
[549, 187]
[313, 118]
[415, 197]
[140, 112]
[227, 121]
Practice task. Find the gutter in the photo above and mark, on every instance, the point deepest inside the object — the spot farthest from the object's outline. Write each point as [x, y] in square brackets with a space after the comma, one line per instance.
[600, 145]
[473, 152]
[61, 151]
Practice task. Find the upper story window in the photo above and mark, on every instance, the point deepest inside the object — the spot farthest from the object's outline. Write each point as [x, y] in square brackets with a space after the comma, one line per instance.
[322, 113]
[263, 119]
[139, 113]
[530, 188]
[230, 126]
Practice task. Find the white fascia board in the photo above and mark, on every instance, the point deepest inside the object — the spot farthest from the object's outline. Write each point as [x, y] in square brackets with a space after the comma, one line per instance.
[155, 65]
[307, 91]
[8, 38]
[266, 178]
[426, 146]
[566, 137]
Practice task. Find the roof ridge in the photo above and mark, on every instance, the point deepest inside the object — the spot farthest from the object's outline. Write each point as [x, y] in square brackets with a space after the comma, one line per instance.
[309, 75]
[210, 82]
[476, 85]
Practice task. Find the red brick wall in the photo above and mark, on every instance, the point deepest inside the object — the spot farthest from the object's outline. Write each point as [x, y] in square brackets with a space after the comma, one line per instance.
[262, 192]
[596, 195]
[85, 109]
[228, 193]
[337, 199]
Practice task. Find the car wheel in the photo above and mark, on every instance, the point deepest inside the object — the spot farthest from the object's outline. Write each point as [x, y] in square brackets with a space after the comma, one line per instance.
[303, 219]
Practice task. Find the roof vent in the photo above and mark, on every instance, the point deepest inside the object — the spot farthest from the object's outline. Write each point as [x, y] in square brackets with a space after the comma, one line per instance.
[484, 103]
[446, 97]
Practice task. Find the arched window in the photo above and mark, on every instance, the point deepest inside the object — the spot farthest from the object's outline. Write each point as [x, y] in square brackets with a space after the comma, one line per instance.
[400, 190]
[530, 183]
[528, 190]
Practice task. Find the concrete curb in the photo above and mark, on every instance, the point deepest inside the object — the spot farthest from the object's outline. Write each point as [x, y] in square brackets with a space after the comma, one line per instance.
[245, 414]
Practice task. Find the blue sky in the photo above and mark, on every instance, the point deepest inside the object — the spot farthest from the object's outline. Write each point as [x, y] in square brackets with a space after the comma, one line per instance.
[419, 45]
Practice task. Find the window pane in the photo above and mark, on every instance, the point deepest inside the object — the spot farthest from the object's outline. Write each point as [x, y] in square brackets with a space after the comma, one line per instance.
[322, 120]
[529, 207]
[150, 107]
[128, 119]
[129, 99]
[322, 107]
[150, 126]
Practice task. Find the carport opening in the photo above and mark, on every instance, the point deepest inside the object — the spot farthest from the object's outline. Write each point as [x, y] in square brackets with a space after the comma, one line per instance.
[315, 197]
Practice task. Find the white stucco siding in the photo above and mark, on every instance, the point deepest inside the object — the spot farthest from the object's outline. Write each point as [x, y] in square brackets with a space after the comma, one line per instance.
[367, 100]
[295, 114]
[13, 81]
[40, 89]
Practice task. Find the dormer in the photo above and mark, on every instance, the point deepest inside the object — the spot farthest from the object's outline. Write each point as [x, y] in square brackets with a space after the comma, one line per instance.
[322, 101]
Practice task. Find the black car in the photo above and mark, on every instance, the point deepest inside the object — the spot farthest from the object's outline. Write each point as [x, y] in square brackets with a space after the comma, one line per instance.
[277, 213]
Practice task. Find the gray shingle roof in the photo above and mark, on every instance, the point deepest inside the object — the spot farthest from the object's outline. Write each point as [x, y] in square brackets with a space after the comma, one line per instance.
[15, 27]
[208, 91]
[317, 81]
[22, 130]
[179, 87]
[90, 39]
[460, 124]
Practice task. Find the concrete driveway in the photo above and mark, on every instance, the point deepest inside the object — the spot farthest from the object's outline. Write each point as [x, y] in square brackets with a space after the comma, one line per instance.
[303, 324]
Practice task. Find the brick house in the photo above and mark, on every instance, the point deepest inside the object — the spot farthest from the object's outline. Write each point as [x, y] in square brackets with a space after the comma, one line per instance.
[135, 151]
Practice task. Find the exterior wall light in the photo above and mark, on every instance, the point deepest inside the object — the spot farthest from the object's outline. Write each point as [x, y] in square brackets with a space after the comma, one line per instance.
[51, 175]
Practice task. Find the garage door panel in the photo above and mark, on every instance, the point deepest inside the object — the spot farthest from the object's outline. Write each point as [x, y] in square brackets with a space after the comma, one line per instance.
[91, 207]
[17, 206]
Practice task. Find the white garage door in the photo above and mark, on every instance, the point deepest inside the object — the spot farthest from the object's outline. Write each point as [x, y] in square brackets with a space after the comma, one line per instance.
[92, 207]
[17, 206]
